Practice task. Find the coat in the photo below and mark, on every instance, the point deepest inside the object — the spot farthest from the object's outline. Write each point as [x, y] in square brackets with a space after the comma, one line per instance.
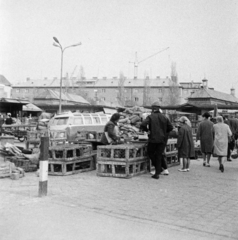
[111, 131]
[158, 127]
[185, 143]
[205, 134]
[222, 133]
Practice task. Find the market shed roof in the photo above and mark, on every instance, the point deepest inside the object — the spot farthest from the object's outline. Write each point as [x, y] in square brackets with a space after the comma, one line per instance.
[4, 81]
[208, 93]
[51, 94]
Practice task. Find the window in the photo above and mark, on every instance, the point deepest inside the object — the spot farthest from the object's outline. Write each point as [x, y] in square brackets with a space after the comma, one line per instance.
[136, 99]
[26, 90]
[159, 90]
[104, 119]
[17, 90]
[78, 121]
[96, 120]
[135, 91]
[103, 98]
[60, 121]
[104, 90]
[88, 120]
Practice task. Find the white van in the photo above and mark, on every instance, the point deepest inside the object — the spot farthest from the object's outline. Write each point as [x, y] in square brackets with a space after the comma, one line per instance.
[77, 122]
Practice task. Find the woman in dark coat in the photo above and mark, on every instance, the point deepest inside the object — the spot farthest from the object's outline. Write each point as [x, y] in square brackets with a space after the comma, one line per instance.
[185, 144]
[205, 134]
[110, 131]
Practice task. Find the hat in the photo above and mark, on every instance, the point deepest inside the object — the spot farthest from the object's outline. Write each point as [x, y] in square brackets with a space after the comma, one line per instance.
[155, 104]
[9, 114]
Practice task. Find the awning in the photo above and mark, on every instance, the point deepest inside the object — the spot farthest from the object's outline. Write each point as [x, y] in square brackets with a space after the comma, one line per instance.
[12, 100]
[31, 108]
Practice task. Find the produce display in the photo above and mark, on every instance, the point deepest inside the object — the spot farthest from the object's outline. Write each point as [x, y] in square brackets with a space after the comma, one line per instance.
[130, 121]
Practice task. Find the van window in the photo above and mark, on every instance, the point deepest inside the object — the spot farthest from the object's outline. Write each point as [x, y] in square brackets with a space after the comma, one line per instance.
[78, 121]
[104, 119]
[88, 120]
[96, 120]
[60, 121]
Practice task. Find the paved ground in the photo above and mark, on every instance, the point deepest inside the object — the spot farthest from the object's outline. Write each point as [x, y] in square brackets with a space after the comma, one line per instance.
[201, 204]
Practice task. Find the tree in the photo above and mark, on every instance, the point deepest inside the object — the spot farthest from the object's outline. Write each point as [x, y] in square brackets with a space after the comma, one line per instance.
[121, 90]
[146, 92]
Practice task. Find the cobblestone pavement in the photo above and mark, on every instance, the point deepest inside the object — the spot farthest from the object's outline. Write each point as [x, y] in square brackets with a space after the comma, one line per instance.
[200, 204]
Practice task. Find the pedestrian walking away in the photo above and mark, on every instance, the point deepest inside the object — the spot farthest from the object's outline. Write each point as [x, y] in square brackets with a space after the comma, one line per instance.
[222, 133]
[185, 144]
[205, 134]
[158, 126]
[233, 124]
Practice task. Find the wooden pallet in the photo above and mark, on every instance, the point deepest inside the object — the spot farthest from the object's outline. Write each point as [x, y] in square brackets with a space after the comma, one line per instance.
[62, 168]
[68, 152]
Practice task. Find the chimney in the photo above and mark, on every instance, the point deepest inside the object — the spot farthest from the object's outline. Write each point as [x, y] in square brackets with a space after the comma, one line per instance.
[233, 92]
[204, 83]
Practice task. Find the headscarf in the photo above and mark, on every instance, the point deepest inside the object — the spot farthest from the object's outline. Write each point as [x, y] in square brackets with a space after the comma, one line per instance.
[185, 120]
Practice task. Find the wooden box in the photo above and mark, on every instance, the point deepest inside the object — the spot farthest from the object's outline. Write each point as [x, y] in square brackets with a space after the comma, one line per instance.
[62, 168]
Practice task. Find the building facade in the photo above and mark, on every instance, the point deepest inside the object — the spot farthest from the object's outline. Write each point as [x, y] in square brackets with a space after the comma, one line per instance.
[126, 92]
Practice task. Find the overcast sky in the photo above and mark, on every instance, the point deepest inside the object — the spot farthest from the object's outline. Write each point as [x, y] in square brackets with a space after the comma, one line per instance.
[201, 35]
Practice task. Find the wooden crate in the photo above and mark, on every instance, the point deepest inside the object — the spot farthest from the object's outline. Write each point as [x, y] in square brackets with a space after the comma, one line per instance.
[62, 168]
[25, 164]
[33, 137]
[121, 169]
[57, 137]
[124, 152]
[124, 161]
[68, 152]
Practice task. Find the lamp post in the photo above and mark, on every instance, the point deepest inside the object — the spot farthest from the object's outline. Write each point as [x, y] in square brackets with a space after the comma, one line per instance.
[57, 44]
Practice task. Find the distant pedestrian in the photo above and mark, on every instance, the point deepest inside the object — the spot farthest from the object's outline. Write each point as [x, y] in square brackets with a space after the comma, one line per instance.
[185, 144]
[233, 124]
[158, 126]
[222, 133]
[205, 134]
[1, 123]
[9, 120]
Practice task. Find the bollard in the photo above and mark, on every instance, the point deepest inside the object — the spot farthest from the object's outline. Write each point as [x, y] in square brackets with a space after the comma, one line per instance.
[44, 153]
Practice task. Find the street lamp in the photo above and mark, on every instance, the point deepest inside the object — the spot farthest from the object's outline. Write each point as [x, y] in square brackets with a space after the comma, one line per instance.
[57, 44]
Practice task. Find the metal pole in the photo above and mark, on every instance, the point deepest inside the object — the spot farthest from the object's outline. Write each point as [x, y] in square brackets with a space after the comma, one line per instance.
[61, 79]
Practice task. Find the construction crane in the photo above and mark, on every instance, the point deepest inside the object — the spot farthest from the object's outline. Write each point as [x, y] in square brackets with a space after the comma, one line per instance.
[136, 62]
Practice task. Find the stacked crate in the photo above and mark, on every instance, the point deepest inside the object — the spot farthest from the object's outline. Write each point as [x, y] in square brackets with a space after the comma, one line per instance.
[69, 159]
[55, 136]
[123, 161]
[171, 153]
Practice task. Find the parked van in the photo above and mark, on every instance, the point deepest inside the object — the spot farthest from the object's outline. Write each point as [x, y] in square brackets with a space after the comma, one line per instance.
[77, 122]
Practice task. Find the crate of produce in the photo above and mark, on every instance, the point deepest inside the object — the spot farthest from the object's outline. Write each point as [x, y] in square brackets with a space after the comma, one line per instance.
[62, 168]
[68, 152]
[23, 163]
[123, 161]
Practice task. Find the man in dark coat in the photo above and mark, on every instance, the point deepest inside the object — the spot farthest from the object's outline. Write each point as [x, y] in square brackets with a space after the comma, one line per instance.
[185, 144]
[158, 126]
[205, 134]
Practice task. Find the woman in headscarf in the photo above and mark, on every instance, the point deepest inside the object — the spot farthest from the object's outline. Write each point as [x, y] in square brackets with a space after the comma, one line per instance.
[111, 131]
[222, 133]
[185, 143]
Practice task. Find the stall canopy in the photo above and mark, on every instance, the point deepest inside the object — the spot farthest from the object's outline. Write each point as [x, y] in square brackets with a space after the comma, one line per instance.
[31, 108]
